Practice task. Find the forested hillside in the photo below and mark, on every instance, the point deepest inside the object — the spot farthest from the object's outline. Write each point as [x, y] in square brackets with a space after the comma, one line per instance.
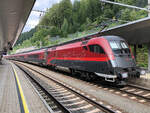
[67, 20]
[25, 36]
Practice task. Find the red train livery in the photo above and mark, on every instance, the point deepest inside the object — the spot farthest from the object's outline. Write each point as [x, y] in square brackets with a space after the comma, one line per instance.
[108, 57]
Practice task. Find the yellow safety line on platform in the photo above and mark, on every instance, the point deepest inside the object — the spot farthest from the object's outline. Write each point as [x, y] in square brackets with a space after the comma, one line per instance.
[26, 110]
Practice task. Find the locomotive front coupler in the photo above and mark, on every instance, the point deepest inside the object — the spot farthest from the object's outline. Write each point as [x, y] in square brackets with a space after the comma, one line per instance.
[121, 74]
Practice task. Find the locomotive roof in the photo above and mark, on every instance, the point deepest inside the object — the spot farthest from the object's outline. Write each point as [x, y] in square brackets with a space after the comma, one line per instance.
[113, 38]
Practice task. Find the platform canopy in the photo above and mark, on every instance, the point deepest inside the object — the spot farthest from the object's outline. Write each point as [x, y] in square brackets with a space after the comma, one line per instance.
[13, 16]
[136, 32]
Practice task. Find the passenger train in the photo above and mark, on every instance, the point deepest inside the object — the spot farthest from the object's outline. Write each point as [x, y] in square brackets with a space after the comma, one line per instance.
[107, 57]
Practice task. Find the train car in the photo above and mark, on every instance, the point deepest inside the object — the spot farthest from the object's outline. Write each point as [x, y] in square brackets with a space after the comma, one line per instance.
[108, 57]
[34, 56]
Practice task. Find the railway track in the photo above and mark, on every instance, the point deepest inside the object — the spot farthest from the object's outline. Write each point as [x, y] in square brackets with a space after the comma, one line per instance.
[49, 100]
[63, 97]
[137, 91]
[131, 91]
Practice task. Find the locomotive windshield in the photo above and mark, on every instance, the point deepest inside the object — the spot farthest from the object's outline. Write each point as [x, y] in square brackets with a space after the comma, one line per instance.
[119, 47]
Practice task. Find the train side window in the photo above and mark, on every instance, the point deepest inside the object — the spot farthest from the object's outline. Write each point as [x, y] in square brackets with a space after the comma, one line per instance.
[84, 47]
[96, 49]
[45, 54]
[21, 56]
[33, 56]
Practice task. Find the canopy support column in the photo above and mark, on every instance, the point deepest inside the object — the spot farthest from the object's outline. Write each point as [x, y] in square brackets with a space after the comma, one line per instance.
[149, 43]
[135, 51]
[149, 7]
[0, 55]
[149, 57]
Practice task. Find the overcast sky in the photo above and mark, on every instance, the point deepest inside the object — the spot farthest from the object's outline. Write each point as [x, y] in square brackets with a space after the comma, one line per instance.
[34, 17]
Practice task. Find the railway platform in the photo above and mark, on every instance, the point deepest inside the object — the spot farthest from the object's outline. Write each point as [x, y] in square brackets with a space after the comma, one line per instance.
[143, 81]
[146, 76]
[16, 93]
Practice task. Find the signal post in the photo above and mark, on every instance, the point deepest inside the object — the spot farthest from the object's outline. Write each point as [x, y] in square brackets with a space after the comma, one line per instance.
[149, 42]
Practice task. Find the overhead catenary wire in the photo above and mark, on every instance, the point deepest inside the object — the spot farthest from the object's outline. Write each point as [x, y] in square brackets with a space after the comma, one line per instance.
[125, 5]
[40, 11]
[115, 19]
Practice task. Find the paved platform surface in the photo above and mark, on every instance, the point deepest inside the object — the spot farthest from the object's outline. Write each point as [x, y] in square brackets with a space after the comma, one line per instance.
[146, 76]
[144, 80]
[9, 99]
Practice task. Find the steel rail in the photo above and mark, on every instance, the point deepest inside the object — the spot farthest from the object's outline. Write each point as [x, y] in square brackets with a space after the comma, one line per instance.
[124, 91]
[139, 87]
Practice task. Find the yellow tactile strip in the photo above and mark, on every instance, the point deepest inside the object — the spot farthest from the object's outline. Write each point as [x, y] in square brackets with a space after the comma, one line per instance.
[26, 110]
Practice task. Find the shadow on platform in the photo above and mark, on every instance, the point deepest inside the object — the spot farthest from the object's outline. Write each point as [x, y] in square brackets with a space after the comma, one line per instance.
[2, 62]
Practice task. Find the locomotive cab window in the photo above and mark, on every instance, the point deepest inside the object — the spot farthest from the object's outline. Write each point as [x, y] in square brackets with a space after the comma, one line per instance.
[96, 49]
[115, 45]
[119, 47]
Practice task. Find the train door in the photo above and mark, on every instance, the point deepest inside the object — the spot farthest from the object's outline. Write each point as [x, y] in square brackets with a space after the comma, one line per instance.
[84, 50]
[98, 52]
[46, 56]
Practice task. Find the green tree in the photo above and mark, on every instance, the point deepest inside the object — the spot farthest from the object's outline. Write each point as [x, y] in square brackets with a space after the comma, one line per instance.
[83, 11]
[38, 38]
[93, 9]
[55, 15]
[25, 36]
[131, 15]
[65, 11]
[52, 17]
[64, 28]
[76, 16]
[54, 31]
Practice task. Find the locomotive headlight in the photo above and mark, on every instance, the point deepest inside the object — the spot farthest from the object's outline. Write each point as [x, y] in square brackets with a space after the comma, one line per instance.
[124, 75]
[143, 72]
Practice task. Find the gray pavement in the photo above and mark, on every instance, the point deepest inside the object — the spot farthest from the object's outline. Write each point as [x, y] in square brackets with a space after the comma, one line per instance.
[9, 102]
[143, 81]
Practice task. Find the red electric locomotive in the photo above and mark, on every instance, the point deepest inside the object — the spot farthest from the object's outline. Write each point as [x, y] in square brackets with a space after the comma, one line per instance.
[108, 57]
